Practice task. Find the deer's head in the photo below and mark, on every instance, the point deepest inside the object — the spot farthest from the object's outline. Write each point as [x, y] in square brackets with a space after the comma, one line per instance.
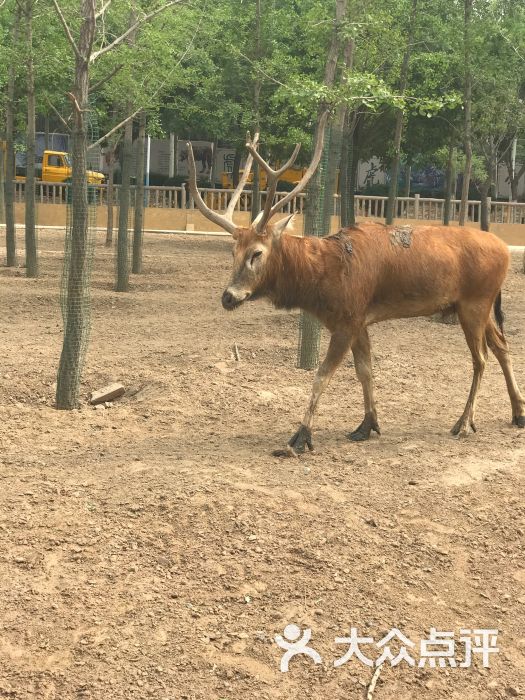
[254, 246]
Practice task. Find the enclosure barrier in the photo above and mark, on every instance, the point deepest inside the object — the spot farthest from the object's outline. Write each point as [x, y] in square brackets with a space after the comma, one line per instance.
[422, 208]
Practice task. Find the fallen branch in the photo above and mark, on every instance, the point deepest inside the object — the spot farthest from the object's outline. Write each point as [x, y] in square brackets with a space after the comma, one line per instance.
[372, 686]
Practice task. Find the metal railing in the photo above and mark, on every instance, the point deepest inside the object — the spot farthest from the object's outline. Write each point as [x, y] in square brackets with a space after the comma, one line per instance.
[419, 208]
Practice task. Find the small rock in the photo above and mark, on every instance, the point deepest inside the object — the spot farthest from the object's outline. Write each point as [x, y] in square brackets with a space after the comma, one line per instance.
[107, 393]
[513, 691]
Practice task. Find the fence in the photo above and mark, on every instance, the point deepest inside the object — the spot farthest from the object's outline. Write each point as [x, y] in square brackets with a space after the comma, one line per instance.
[423, 208]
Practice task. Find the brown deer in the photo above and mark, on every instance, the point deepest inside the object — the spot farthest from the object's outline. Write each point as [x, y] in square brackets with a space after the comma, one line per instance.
[363, 274]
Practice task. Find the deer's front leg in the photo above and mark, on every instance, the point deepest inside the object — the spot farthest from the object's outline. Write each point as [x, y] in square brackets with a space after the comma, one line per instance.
[339, 345]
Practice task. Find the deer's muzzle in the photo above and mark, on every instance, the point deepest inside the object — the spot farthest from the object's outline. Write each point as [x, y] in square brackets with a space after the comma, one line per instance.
[232, 299]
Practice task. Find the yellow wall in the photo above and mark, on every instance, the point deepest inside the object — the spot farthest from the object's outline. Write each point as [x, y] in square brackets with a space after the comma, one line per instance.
[192, 220]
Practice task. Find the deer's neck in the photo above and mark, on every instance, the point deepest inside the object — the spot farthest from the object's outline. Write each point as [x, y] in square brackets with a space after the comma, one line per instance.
[295, 278]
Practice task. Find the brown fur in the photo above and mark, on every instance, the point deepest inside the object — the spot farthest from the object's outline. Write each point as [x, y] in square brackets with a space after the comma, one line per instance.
[372, 272]
[378, 280]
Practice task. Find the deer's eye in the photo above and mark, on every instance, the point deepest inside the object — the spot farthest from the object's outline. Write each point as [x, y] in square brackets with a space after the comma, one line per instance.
[254, 257]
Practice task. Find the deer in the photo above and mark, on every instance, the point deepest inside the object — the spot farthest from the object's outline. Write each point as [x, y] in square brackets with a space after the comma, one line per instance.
[362, 275]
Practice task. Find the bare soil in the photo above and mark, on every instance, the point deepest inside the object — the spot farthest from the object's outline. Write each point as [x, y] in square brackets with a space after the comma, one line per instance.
[153, 549]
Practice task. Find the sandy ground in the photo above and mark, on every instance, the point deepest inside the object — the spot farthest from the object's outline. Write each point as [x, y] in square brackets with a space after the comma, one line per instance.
[154, 549]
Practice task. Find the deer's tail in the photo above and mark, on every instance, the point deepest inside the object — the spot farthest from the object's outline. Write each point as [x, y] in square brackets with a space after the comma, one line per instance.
[498, 312]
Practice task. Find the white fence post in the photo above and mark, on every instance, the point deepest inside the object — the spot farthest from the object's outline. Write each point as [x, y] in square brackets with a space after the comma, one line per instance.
[416, 206]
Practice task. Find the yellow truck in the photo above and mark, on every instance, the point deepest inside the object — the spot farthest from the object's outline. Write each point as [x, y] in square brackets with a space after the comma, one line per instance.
[55, 166]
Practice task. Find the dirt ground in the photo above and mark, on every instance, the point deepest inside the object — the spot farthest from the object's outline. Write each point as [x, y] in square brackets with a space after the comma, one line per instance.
[153, 549]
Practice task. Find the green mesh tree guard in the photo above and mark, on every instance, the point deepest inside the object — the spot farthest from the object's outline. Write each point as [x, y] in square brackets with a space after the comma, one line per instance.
[317, 217]
[138, 223]
[75, 295]
[126, 201]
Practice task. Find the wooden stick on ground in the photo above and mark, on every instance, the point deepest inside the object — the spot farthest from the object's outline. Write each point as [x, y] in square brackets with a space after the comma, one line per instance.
[371, 687]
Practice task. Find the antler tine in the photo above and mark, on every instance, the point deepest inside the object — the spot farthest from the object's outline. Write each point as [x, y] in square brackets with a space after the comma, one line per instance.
[272, 181]
[242, 182]
[291, 160]
[222, 221]
[310, 170]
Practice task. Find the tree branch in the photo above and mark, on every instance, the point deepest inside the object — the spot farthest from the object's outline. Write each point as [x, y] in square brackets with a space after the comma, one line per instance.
[115, 70]
[115, 128]
[103, 9]
[155, 92]
[520, 173]
[67, 30]
[78, 109]
[116, 42]
[57, 113]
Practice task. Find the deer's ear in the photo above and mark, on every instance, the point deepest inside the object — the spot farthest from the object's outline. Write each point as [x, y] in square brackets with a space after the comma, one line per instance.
[280, 226]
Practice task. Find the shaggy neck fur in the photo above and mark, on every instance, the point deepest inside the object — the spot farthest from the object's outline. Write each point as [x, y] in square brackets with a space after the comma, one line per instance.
[295, 274]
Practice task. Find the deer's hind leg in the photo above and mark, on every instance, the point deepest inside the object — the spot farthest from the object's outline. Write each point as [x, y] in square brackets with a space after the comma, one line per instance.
[363, 369]
[498, 345]
[473, 318]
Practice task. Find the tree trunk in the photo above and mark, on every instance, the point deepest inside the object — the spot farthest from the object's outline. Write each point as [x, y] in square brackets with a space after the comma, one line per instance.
[391, 204]
[391, 207]
[408, 175]
[333, 166]
[123, 212]
[30, 204]
[316, 223]
[467, 105]
[9, 187]
[450, 181]
[139, 198]
[349, 166]
[343, 170]
[46, 133]
[236, 167]
[110, 195]
[484, 209]
[514, 176]
[76, 303]
[2, 186]
[256, 191]
[256, 195]
[315, 215]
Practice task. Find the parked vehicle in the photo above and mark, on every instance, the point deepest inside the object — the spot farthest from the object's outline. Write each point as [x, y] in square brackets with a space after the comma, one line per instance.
[54, 166]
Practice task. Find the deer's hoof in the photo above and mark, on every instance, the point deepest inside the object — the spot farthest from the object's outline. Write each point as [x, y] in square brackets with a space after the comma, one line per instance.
[298, 444]
[464, 428]
[519, 421]
[363, 431]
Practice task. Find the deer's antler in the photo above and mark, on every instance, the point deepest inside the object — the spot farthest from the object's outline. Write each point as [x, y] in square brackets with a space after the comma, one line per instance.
[270, 209]
[225, 220]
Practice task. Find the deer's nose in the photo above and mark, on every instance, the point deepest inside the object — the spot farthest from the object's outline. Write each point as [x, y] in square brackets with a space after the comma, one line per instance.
[228, 300]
